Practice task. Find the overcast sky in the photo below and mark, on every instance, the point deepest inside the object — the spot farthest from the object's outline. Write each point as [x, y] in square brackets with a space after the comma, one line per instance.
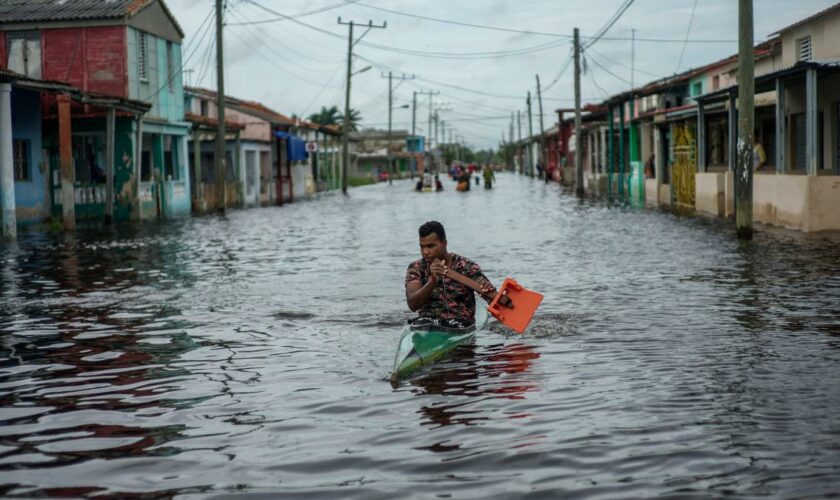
[296, 68]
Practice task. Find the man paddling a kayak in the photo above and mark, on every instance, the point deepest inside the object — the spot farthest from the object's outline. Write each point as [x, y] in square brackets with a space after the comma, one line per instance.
[438, 300]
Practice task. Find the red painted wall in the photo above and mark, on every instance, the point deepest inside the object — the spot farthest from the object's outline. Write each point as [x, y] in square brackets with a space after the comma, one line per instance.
[89, 58]
[2, 50]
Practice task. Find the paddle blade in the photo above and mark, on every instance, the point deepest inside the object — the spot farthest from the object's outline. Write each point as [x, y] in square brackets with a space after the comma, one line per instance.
[525, 303]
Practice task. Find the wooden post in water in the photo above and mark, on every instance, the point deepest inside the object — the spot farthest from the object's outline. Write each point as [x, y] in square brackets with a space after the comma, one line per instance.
[746, 108]
[65, 154]
[110, 127]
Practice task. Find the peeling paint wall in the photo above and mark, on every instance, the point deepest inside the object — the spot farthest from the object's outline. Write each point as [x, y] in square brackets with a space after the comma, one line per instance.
[31, 200]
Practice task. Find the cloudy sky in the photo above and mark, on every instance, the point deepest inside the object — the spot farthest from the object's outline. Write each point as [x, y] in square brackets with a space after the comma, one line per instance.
[482, 75]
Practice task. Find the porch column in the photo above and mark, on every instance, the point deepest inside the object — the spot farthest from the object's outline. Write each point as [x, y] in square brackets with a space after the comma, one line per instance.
[811, 125]
[781, 159]
[7, 159]
[611, 152]
[658, 159]
[198, 191]
[240, 184]
[733, 130]
[621, 167]
[65, 153]
[701, 137]
[138, 167]
[110, 127]
[596, 152]
[603, 149]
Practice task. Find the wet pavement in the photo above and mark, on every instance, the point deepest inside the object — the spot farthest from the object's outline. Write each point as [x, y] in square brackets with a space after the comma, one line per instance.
[249, 354]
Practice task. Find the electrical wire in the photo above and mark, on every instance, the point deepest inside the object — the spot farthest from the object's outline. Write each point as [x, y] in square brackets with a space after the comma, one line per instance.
[595, 61]
[184, 60]
[687, 33]
[617, 63]
[299, 14]
[609, 24]
[284, 57]
[531, 32]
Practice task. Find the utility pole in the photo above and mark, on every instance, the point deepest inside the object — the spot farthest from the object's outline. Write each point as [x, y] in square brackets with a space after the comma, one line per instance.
[578, 141]
[221, 168]
[542, 126]
[345, 129]
[390, 111]
[390, 77]
[437, 141]
[414, 117]
[414, 114]
[633, 59]
[519, 134]
[530, 138]
[746, 109]
[413, 133]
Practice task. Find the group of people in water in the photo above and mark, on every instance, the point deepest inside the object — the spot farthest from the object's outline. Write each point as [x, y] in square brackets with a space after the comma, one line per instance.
[460, 173]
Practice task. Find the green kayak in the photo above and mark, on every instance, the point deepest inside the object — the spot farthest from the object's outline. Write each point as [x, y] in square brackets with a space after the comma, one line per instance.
[422, 346]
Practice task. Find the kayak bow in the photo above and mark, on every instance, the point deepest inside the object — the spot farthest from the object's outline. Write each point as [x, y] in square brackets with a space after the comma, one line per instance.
[422, 346]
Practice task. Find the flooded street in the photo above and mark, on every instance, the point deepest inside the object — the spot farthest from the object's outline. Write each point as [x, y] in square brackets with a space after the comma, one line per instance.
[250, 353]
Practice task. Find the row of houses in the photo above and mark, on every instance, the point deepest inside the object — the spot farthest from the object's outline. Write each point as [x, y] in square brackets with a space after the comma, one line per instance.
[672, 142]
[97, 124]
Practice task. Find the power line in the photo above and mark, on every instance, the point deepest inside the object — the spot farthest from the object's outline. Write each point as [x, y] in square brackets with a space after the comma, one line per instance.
[285, 57]
[595, 61]
[299, 14]
[184, 60]
[422, 53]
[687, 33]
[468, 25]
[602, 56]
[609, 24]
[532, 32]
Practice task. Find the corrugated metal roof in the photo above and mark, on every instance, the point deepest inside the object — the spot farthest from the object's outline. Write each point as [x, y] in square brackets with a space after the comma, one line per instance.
[808, 19]
[64, 10]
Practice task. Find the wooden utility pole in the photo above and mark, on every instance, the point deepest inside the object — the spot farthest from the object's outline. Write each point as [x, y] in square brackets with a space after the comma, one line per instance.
[414, 114]
[390, 111]
[221, 168]
[542, 126]
[519, 136]
[345, 128]
[578, 141]
[390, 78]
[530, 138]
[746, 109]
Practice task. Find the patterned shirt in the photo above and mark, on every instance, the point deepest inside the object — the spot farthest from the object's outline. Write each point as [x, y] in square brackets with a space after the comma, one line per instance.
[449, 299]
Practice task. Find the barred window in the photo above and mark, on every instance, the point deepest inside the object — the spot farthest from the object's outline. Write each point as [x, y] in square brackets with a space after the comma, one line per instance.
[20, 148]
[142, 57]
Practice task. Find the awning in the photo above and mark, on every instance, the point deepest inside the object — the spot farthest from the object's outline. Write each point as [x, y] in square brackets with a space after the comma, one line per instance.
[295, 146]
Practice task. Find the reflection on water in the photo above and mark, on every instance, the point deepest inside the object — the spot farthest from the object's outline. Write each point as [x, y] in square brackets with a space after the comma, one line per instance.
[248, 354]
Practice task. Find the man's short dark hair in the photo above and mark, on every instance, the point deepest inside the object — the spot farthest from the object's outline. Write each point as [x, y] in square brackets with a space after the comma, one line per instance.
[435, 227]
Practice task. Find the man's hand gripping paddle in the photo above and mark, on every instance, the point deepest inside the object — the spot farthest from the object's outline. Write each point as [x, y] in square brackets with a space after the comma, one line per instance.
[502, 304]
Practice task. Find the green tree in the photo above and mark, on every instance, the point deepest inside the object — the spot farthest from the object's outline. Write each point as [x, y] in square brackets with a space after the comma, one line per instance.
[326, 116]
[355, 118]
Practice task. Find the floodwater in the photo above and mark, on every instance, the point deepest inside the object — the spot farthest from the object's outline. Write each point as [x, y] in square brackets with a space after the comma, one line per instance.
[249, 354]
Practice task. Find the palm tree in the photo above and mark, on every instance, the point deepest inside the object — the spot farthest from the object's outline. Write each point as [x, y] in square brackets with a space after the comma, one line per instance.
[327, 116]
[355, 118]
